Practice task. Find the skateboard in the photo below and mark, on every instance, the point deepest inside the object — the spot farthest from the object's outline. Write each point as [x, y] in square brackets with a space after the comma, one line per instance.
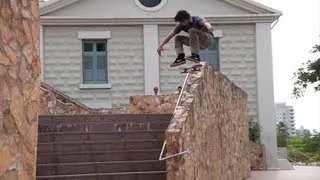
[190, 69]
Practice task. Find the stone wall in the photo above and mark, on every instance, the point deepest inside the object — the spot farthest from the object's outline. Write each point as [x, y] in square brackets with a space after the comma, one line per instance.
[211, 123]
[152, 104]
[257, 157]
[19, 88]
[54, 102]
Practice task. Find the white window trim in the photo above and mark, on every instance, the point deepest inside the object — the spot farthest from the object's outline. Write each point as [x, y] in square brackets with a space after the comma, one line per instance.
[87, 35]
[156, 8]
[95, 86]
[94, 35]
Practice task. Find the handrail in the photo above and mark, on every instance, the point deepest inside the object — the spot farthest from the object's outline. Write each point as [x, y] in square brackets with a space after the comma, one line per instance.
[302, 154]
[286, 157]
[177, 104]
[305, 155]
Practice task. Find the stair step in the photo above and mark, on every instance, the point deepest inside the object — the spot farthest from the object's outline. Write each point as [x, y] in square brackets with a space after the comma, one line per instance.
[99, 145]
[102, 126]
[99, 136]
[100, 167]
[94, 156]
[58, 119]
[147, 175]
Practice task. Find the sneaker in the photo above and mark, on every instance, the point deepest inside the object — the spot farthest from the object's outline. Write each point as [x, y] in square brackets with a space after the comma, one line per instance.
[194, 58]
[179, 60]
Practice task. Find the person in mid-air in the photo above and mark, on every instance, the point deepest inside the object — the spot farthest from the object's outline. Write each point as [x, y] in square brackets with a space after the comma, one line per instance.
[200, 37]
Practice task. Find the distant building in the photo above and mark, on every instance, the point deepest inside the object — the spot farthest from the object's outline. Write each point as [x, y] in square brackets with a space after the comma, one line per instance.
[303, 132]
[285, 114]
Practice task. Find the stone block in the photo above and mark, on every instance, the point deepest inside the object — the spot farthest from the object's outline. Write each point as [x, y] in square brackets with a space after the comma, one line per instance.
[20, 85]
[212, 124]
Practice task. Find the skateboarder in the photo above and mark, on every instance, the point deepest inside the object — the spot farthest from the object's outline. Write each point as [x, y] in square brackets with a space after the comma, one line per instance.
[200, 37]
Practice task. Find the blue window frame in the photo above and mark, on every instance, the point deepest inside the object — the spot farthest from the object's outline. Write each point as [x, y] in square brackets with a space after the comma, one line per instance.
[94, 62]
[211, 55]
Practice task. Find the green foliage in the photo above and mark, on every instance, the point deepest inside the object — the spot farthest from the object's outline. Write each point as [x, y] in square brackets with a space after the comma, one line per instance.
[304, 149]
[282, 135]
[296, 143]
[308, 75]
[254, 131]
[312, 144]
[316, 158]
[282, 139]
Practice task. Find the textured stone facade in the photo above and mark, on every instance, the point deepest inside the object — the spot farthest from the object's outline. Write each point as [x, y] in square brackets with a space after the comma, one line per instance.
[258, 157]
[211, 122]
[54, 102]
[20, 88]
[152, 104]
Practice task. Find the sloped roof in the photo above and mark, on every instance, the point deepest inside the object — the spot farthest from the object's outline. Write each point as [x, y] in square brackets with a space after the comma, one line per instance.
[249, 5]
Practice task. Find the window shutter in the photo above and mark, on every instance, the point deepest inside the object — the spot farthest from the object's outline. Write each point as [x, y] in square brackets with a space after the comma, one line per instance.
[101, 68]
[213, 59]
[211, 55]
[88, 69]
[94, 62]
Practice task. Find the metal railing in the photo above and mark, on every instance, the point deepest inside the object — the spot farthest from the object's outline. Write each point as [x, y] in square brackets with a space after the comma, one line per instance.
[294, 161]
[164, 143]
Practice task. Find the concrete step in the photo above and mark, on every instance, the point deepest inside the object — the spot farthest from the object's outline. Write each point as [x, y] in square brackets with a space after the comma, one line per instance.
[284, 164]
[99, 136]
[146, 175]
[103, 126]
[56, 123]
[99, 145]
[95, 156]
[100, 167]
[115, 118]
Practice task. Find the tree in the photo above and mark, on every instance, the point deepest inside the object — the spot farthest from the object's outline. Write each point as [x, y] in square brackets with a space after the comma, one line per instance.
[254, 131]
[312, 144]
[282, 135]
[308, 75]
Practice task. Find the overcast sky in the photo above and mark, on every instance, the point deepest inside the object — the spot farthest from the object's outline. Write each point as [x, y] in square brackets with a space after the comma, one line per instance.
[293, 37]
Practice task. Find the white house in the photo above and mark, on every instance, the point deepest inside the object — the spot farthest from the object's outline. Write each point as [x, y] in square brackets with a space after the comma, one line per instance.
[100, 52]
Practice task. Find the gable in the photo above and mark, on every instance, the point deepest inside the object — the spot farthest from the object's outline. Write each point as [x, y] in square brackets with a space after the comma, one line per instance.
[128, 8]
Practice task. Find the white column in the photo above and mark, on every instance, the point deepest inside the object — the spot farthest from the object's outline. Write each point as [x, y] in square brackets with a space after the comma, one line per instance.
[41, 53]
[151, 58]
[266, 105]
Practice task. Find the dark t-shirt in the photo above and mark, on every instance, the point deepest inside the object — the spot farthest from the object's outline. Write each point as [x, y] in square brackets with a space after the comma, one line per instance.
[195, 23]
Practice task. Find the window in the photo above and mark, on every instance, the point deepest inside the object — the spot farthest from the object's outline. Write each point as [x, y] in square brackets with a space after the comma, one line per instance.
[150, 5]
[94, 62]
[211, 55]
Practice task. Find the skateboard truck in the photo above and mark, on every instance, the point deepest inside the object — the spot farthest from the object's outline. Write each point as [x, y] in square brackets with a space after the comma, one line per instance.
[190, 69]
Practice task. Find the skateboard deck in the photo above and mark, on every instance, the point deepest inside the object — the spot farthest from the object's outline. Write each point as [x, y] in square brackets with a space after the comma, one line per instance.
[190, 69]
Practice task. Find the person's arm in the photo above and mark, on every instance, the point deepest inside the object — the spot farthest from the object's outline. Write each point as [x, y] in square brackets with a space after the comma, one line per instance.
[165, 41]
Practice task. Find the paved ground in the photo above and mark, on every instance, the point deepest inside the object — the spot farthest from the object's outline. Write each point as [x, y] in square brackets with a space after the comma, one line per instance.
[301, 173]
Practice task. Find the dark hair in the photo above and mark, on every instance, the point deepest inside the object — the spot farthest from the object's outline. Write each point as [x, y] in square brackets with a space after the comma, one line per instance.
[182, 15]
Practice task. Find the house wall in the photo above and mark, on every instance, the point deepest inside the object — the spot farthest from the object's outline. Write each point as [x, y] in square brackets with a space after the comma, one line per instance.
[128, 9]
[63, 63]
[237, 61]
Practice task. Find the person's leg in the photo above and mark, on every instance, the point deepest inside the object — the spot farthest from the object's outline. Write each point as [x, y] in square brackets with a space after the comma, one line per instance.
[179, 42]
[198, 40]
